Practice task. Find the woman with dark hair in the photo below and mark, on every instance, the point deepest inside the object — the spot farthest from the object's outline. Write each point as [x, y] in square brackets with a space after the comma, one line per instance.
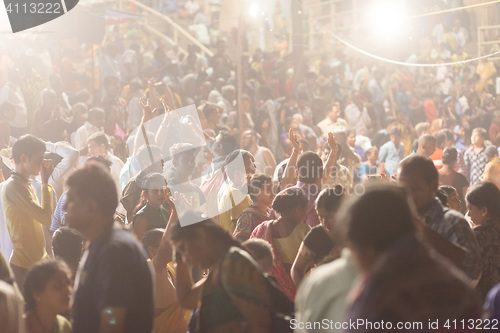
[149, 213]
[47, 292]
[448, 175]
[319, 245]
[483, 205]
[235, 296]
[452, 199]
[260, 189]
[285, 234]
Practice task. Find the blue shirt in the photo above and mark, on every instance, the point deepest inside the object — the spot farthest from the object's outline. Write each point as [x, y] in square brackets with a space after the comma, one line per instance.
[391, 156]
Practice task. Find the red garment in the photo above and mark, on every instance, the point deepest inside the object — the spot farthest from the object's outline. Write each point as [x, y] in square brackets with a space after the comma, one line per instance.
[430, 110]
[263, 231]
[437, 158]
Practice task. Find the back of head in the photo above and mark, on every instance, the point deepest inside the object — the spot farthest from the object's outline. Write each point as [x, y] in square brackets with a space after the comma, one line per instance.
[67, 244]
[258, 248]
[288, 199]
[418, 165]
[93, 182]
[395, 130]
[152, 239]
[378, 219]
[95, 112]
[215, 233]
[491, 151]
[425, 140]
[28, 145]
[450, 155]
[330, 198]
[310, 167]
[440, 137]
[485, 194]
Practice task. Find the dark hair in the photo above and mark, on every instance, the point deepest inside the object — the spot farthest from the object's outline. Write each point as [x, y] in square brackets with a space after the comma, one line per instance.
[288, 199]
[491, 151]
[395, 131]
[257, 182]
[485, 194]
[179, 149]
[442, 196]
[100, 159]
[258, 248]
[38, 277]
[447, 189]
[154, 181]
[209, 108]
[310, 167]
[67, 244]
[152, 238]
[379, 218]
[440, 137]
[330, 198]
[92, 182]
[100, 138]
[215, 232]
[227, 141]
[450, 155]
[420, 165]
[28, 145]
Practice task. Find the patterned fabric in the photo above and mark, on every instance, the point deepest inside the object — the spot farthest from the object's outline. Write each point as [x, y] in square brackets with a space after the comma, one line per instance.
[263, 231]
[488, 238]
[452, 226]
[238, 276]
[492, 171]
[474, 164]
[410, 284]
[248, 220]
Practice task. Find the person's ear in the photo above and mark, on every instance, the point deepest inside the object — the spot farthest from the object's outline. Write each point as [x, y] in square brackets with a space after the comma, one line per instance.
[24, 158]
[484, 211]
[174, 163]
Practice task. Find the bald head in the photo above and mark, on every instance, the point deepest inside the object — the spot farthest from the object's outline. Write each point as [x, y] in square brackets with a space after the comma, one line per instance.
[426, 145]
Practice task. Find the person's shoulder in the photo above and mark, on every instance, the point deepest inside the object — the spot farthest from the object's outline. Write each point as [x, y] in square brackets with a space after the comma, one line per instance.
[315, 232]
[63, 325]
[455, 217]
[328, 274]
[302, 228]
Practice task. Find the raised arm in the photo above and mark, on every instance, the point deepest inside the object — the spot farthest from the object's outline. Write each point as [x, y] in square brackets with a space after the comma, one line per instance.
[332, 157]
[290, 173]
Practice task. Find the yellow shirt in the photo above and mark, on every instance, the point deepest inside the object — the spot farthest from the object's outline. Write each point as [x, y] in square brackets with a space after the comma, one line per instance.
[231, 204]
[492, 172]
[288, 247]
[24, 218]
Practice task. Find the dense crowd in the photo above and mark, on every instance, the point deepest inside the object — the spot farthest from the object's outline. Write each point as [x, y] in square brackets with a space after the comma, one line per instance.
[141, 196]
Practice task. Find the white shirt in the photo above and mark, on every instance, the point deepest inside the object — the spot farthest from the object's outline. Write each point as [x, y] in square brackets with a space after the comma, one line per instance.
[68, 163]
[327, 126]
[323, 293]
[81, 136]
[358, 120]
[11, 93]
[116, 168]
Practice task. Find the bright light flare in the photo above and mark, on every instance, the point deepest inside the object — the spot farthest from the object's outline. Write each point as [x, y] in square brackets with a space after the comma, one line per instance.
[253, 10]
[386, 20]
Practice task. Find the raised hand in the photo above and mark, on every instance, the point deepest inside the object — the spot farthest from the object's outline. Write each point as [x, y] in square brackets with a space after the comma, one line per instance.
[293, 139]
[332, 143]
[47, 169]
[147, 112]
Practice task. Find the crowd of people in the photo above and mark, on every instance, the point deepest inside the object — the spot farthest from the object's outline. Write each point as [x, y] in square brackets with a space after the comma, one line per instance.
[363, 191]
